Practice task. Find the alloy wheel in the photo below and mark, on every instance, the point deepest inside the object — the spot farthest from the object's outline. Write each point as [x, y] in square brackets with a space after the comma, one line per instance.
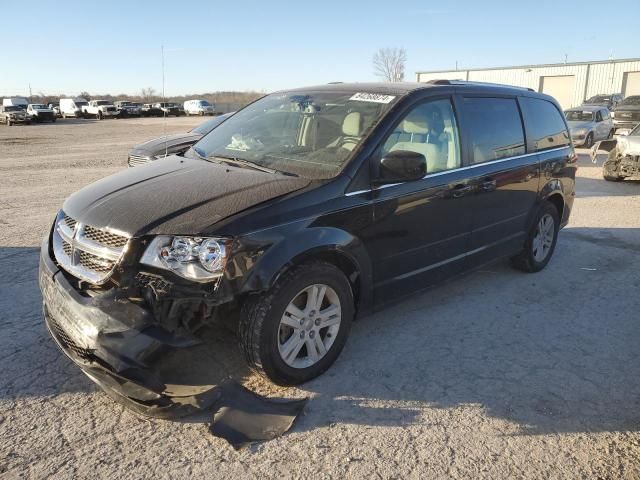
[309, 326]
[543, 239]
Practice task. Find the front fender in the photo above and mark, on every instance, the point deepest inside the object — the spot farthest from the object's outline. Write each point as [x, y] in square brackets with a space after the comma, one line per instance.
[274, 252]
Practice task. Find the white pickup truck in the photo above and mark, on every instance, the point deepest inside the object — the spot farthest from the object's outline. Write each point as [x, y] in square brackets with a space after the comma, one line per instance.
[100, 109]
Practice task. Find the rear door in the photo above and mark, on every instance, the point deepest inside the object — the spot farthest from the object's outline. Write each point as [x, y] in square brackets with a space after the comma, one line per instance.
[504, 177]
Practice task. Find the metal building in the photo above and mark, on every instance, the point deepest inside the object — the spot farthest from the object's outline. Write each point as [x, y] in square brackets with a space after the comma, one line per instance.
[569, 83]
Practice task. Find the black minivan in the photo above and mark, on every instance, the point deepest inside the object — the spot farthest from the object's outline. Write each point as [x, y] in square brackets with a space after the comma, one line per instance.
[303, 210]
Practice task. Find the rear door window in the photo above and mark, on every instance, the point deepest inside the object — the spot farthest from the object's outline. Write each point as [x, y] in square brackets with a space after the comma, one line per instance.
[494, 128]
[545, 126]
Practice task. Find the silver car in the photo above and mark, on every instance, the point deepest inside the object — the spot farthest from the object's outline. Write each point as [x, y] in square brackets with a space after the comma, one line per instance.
[588, 124]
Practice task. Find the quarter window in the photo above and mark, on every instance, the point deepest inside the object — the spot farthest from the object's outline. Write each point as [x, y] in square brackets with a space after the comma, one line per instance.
[544, 123]
[495, 128]
[429, 129]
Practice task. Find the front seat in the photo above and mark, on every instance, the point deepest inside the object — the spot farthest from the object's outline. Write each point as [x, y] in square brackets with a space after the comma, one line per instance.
[431, 152]
[351, 131]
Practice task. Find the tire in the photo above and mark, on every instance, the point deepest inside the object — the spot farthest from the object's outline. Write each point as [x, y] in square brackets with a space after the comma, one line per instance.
[530, 259]
[53, 120]
[611, 133]
[9, 123]
[64, 115]
[100, 116]
[588, 143]
[263, 337]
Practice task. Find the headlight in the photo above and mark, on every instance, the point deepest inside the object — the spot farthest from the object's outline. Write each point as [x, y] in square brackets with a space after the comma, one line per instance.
[195, 258]
[579, 131]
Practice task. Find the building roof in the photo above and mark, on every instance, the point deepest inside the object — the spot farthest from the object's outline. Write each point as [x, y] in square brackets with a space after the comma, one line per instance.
[542, 65]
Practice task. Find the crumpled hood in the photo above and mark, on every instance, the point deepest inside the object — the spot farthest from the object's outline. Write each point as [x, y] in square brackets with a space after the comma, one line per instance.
[177, 195]
[626, 108]
[159, 144]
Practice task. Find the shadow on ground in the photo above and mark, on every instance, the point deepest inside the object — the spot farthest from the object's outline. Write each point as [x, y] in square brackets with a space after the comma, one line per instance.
[555, 351]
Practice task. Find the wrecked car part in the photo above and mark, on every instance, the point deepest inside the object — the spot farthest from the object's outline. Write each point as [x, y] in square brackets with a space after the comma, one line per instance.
[623, 156]
[243, 417]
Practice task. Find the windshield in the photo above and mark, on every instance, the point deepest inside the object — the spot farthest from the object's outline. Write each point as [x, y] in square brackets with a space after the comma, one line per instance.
[599, 99]
[209, 125]
[204, 103]
[38, 106]
[80, 104]
[10, 108]
[125, 104]
[635, 100]
[103, 102]
[307, 133]
[579, 116]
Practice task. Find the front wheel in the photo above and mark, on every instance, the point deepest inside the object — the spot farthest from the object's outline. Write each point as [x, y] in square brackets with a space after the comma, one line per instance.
[100, 117]
[588, 143]
[611, 133]
[541, 240]
[296, 330]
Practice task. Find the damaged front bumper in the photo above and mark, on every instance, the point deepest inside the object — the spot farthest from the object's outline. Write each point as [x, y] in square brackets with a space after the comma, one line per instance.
[120, 346]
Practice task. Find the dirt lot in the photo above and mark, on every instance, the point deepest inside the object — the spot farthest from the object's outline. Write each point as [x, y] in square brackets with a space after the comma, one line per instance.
[499, 374]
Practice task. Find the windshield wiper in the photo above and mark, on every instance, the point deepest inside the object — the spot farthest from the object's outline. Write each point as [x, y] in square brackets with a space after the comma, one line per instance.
[243, 163]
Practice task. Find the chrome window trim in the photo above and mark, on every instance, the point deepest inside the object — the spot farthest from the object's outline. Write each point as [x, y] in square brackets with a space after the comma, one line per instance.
[460, 169]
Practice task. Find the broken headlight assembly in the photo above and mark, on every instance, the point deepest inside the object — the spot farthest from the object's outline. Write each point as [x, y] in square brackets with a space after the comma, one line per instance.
[200, 259]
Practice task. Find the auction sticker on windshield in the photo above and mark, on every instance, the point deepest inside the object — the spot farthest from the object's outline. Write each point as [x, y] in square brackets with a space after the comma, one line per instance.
[372, 97]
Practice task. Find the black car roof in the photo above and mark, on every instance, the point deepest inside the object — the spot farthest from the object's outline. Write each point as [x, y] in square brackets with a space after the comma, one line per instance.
[403, 88]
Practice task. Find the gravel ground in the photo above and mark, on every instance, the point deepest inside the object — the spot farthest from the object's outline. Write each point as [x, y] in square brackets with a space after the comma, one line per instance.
[498, 374]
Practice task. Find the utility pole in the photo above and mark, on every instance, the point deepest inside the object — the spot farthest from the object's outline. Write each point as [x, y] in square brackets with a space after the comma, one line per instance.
[30, 99]
[566, 57]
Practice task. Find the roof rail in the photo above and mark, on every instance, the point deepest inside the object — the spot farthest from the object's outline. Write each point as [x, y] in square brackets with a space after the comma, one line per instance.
[467, 82]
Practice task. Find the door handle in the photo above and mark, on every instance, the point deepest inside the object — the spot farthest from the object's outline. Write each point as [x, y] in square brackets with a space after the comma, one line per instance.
[488, 185]
[460, 190]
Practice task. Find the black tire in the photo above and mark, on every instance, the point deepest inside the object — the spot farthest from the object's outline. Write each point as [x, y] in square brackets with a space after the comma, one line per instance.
[588, 143]
[611, 133]
[53, 120]
[525, 260]
[9, 123]
[260, 321]
[100, 116]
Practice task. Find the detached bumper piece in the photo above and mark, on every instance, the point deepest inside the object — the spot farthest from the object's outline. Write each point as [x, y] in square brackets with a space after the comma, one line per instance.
[243, 417]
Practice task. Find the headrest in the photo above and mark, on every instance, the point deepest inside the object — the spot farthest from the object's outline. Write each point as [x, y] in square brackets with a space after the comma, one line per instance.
[418, 126]
[352, 124]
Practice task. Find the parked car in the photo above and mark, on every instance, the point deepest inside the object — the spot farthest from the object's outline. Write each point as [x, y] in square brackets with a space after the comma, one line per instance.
[128, 109]
[56, 109]
[198, 107]
[172, 144]
[150, 110]
[40, 113]
[623, 155]
[12, 114]
[99, 109]
[626, 115]
[72, 107]
[609, 100]
[19, 102]
[299, 212]
[169, 109]
[589, 124]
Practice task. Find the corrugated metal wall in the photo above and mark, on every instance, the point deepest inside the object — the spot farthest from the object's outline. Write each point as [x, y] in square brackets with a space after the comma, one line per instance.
[591, 78]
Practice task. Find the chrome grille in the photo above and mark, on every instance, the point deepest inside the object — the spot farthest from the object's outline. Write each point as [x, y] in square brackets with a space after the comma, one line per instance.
[135, 160]
[105, 238]
[87, 252]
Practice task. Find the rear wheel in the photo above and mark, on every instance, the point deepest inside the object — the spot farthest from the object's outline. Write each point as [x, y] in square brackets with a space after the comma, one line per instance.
[9, 123]
[100, 117]
[296, 330]
[541, 240]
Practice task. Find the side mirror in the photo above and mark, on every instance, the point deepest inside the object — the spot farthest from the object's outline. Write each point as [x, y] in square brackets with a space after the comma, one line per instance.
[401, 166]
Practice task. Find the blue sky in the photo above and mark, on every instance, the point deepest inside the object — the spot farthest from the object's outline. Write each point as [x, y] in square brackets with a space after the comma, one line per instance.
[114, 46]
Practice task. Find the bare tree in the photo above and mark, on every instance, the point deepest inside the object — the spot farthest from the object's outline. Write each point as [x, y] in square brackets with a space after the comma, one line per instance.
[85, 95]
[148, 93]
[388, 63]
